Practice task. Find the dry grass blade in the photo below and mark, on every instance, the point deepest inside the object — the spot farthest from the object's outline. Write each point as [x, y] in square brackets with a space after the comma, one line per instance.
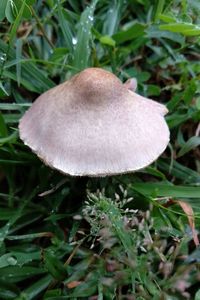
[191, 219]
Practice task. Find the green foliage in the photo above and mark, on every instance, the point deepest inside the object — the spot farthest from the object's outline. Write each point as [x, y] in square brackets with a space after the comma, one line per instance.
[130, 239]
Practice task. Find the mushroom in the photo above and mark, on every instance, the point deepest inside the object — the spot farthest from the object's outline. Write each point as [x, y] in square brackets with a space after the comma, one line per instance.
[94, 125]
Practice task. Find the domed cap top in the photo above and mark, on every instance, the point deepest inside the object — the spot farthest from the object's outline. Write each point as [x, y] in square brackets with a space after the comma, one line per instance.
[94, 84]
[94, 125]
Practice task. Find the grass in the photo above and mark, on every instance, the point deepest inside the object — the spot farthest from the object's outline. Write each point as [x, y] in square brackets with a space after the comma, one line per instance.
[135, 236]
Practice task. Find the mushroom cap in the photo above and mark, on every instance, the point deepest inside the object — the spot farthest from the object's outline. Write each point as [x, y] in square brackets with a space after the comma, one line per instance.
[94, 125]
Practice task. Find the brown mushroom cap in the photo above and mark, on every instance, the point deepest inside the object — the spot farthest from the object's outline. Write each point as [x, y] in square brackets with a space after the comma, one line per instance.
[94, 125]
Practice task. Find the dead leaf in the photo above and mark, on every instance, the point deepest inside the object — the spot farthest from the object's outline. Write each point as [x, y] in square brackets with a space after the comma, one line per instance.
[73, 284]
[190, 215]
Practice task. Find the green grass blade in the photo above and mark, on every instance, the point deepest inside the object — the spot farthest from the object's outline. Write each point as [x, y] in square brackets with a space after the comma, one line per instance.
[39, 80]
[9, 273]
[134, 31]
[167, 190]
[9, 139]
[16, 23]
[37, 287]
[66, 28]
[3, 127]
[159, 8]
[192, 143]
[18, 57]
[184, 28]
[113, 16]
[179, 171]
[82, 48]
[3, 4]
[14, 106]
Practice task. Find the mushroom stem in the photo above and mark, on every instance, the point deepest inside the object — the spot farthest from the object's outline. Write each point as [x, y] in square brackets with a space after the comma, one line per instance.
[78, 190]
